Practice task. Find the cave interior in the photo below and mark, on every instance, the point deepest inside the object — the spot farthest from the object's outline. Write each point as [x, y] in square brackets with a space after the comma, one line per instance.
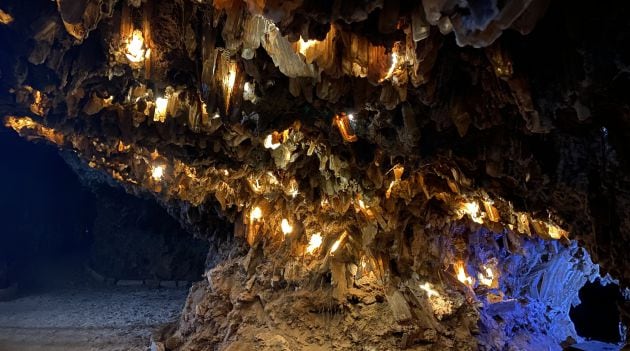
[315, 175]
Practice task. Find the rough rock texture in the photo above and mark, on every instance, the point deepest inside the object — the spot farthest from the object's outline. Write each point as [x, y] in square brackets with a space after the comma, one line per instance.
[356, 148]
[159, 250]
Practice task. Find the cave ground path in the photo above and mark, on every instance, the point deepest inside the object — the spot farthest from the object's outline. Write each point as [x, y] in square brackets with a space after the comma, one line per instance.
[60, 308]
[87, 318]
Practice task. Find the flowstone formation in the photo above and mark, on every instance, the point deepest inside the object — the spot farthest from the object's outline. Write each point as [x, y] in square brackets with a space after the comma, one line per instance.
[427, 175]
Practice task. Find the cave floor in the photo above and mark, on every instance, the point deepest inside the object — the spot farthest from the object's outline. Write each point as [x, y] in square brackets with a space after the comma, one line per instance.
[87, 318]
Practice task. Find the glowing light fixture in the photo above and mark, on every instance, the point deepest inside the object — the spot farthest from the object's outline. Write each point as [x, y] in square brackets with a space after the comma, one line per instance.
[136, 51]
[228, 80]
[429, 289]
[255, 214]
[461, 274]
[342, 121]
[314, 243]
[286, 227]
[303, 45]
[270, 143]
[157, 172]
[337, 243]
[486, 276]
[160, 109]
[472, 209]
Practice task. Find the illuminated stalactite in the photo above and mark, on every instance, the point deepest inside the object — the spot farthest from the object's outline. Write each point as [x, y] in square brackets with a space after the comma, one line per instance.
[342, 122]
[5, 18]
[136, 51]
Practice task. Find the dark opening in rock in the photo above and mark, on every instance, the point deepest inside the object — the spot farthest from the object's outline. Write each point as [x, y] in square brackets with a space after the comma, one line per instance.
[597, 317]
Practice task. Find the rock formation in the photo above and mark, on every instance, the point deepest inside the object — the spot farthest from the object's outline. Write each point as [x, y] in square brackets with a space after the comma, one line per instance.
[370, 175]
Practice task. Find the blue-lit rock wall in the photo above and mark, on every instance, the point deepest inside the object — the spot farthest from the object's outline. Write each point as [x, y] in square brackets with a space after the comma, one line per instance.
[538, 283]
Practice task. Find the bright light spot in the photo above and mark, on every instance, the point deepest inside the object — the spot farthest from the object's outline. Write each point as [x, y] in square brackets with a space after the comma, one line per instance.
[351, 117]
[228, 80]
[272, 178]
[269, 143]
[293, 188]
[314, 243]
[5, 18]
[342, 121]
[486, 277]
[305, 45]
[256, 214]
[226, 173]
[388, 193]
[157, 172]
[231, 79]
[287, 228]
[472, 209]
[337, 243]
[556, 232]
[461, 274]
[392, 68]
[135, 47]
[160, 109]
[429, 289]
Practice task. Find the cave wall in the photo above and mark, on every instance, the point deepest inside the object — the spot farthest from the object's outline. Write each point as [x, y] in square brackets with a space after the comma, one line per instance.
[136, 239]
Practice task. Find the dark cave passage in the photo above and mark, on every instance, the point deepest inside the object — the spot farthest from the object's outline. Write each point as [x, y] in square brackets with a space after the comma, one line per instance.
[58, 232]
[597, 317]
[84, 265]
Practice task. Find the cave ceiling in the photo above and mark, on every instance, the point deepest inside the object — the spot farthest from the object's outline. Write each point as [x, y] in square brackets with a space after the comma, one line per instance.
[341, 133]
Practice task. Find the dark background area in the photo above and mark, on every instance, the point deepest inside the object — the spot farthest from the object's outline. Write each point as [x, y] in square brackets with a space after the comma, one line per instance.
[44, 211]
[53, 225]
[597, 317]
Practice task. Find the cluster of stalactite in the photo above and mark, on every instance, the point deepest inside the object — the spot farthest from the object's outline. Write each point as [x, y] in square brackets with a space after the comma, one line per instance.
[348, 142]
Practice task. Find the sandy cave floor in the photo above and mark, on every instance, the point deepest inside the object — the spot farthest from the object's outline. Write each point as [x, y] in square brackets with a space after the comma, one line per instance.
[87, 318]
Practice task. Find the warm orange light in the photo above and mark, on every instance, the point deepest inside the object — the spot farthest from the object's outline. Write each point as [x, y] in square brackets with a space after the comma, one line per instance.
[556, 232]
[255, 214]
[365, 209]
[20, 123]
[271, 143]
[392, 68]
[38, 106]
[228, 81]
[161, 105]
[136, 50]
[5, 18]
[314, 243]
[286, 227]
[398, 171]
[157, 172]
[461, 274]
[303, 46]
[342, 122]
[472, 209]
[338, 242]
